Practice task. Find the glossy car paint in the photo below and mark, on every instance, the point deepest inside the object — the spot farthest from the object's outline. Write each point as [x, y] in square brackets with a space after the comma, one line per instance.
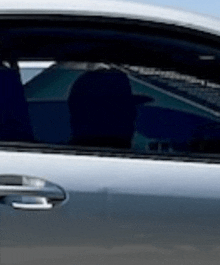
[118, 210]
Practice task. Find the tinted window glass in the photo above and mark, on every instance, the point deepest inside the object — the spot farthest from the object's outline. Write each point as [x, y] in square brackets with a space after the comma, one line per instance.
[144, 109]
[144, 91]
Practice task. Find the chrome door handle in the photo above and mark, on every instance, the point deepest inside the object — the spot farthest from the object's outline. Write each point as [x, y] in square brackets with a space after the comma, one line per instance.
[44, 205]
[36, 194]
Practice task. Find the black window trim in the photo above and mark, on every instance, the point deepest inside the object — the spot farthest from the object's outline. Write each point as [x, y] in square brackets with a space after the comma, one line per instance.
[106, 152]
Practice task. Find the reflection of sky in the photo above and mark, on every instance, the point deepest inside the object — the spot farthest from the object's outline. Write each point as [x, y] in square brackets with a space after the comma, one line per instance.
[27, 74]
[29, 70]
[211, 7]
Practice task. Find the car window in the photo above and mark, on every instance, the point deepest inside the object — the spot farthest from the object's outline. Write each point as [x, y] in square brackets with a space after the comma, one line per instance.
[168, 103]
[143, 109]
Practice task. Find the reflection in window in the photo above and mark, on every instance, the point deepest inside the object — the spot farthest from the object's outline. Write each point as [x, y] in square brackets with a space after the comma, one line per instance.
[29, 70]
[102, 105]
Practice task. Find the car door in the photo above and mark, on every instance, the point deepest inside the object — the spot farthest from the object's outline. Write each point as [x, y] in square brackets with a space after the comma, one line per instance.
[145, 197]
[118, 210]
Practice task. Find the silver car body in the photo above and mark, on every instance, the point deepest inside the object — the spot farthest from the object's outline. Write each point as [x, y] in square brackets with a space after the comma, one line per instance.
[120, 209]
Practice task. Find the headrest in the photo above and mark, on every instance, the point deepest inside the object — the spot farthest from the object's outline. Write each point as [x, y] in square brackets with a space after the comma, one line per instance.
[102, 108]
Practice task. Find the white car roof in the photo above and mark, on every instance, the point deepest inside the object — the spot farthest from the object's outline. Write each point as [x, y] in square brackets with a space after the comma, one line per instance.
[113, 8]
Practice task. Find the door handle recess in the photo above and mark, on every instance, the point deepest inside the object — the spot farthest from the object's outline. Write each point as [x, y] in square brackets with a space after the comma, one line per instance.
[44, 194]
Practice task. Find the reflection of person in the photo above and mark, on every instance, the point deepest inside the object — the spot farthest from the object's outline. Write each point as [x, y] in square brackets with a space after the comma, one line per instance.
[102, 109]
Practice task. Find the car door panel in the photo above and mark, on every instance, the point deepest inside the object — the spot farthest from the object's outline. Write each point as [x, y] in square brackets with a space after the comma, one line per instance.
[117, 210]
